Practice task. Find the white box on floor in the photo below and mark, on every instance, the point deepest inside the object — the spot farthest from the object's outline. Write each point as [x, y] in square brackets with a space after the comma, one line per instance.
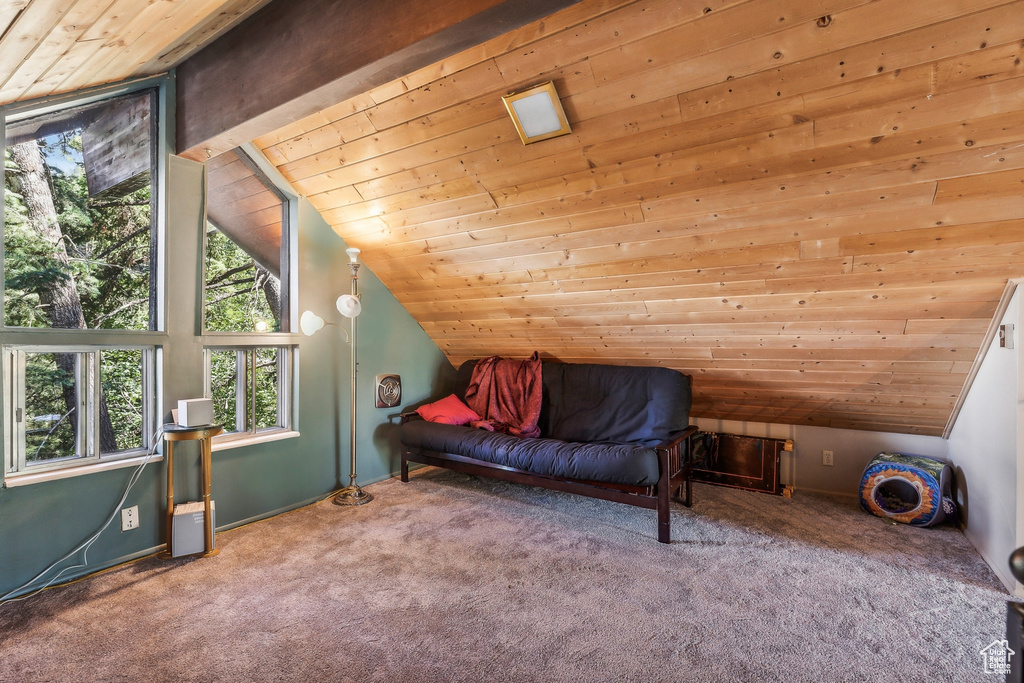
[187, 529]
[194, 412]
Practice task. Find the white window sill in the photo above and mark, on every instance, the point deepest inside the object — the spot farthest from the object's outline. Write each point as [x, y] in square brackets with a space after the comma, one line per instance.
[229, 441]
[26, 478]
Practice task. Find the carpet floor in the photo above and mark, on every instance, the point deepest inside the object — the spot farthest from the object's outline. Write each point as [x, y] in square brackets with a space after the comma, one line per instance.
[454, 578]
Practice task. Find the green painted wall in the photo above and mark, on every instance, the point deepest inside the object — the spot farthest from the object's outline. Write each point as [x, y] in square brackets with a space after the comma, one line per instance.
[41, 522]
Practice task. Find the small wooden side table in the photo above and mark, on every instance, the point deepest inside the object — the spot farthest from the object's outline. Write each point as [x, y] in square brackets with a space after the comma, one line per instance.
[204, 434]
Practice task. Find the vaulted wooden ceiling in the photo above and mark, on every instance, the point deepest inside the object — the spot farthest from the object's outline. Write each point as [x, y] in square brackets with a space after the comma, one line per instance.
[812, 207]
[59, 46]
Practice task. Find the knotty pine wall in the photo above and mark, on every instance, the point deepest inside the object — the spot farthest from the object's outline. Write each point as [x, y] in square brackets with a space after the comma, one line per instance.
[812, 207]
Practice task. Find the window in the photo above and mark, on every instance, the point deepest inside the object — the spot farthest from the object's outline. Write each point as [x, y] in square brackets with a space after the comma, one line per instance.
[70, 406]
[246, 283]
[78, 205]
[250, 387]
[249, 362]
[80, 282]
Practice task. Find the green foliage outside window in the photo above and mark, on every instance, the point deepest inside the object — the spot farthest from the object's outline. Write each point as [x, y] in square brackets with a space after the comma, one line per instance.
[237, 301]
[107, 242]
[49, 423]
[121, 381]
[227, 386]
[266, 388]
[96, 260]
[93, 256]
[50, 386]
[235, 298]
[223, 377]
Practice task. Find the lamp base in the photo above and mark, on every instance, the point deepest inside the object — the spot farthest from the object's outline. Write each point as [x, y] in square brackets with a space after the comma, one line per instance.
[352, 495]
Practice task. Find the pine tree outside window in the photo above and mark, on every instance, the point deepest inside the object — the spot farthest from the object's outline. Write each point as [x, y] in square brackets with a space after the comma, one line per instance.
[80, 262]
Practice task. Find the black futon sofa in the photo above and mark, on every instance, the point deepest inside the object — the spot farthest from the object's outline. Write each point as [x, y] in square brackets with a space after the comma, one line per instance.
[612, 432]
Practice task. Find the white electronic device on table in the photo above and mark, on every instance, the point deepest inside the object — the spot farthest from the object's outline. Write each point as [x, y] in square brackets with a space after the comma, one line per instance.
[194, 412]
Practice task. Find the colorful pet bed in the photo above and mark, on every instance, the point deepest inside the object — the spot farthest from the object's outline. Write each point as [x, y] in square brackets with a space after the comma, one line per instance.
[911, 489]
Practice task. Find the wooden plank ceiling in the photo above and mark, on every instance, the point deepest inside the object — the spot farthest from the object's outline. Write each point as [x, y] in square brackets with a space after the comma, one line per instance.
[59, 46]
[812, 207]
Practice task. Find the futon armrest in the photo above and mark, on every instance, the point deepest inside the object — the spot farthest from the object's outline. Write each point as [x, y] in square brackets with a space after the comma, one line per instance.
[678, 438]
[676, 475]
[409, 415]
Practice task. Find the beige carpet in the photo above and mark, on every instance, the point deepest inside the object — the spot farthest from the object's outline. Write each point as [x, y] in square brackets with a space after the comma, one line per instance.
[451, 578]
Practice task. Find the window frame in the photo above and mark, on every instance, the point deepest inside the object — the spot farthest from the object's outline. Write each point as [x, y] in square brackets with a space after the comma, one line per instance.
[287, 370]
[50, 340]
[288, 391]
[89, 381]
[270, 178]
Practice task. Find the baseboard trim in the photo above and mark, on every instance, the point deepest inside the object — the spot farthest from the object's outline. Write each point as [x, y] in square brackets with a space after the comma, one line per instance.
[86, 572]
[1000, 569]
[823, 492]
[274, 513]
[102, 567]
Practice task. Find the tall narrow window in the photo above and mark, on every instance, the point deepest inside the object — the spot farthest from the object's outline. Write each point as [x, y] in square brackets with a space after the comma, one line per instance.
[248, 371]
[246, 248]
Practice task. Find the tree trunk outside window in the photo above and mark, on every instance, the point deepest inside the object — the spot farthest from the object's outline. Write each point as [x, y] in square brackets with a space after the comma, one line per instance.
[59, 296]
[271, 287]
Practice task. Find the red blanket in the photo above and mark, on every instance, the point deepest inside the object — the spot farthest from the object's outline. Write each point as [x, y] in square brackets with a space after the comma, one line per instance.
[506, 394]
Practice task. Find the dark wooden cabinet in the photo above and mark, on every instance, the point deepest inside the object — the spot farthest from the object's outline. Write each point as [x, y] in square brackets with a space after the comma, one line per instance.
[745, 462]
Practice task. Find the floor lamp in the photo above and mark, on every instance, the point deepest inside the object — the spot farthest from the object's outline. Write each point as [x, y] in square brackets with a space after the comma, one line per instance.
[349, 305]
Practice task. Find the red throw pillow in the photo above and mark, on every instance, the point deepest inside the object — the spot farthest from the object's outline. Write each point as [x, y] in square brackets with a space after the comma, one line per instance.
[449, 410]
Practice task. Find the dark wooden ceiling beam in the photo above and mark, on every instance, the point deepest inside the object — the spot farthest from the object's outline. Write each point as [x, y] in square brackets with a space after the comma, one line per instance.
[296, 57]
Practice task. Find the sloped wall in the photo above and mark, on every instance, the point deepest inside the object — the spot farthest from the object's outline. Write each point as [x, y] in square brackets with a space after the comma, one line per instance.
[984, 448]
[388, 340]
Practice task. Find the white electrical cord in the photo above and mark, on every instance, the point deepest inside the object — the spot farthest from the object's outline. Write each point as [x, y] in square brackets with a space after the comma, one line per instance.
[86, 544]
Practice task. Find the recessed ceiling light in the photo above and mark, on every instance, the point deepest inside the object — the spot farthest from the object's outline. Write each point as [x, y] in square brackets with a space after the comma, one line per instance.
[537, 113]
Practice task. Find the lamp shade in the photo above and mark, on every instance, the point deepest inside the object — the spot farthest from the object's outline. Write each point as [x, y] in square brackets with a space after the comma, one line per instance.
[349, 305]
[310, 323]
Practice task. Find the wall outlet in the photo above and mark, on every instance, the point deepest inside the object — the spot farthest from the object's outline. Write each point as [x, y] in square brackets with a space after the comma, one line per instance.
[130, 518]
[826, 458]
